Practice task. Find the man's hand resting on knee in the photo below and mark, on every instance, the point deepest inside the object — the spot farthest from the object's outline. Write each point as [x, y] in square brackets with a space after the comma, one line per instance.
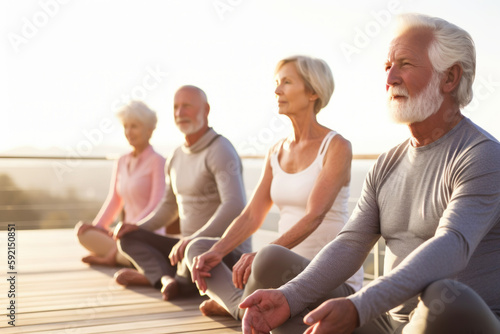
[265, 310]
[337, 316]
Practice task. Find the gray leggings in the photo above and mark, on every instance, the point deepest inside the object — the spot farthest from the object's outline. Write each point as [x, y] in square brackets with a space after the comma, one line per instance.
[272, 267]
[445, 306]
[149, 253]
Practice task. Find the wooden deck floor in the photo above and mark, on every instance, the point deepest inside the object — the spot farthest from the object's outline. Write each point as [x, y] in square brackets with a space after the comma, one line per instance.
[56, 293]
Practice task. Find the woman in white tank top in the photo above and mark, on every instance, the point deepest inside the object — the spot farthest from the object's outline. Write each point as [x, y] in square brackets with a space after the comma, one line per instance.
[306, 175]
[290, 193]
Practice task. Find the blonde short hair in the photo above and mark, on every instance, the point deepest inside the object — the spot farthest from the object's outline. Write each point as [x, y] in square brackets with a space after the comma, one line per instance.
[316, 75]
[138, 110]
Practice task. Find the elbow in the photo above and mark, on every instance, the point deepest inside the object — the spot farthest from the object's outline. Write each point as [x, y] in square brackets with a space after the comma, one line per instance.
[462, 249]
[238, 202]
[231, 210]
[235, 203]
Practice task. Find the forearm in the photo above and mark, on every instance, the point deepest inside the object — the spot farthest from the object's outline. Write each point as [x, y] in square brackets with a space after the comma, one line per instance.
[221, 219]
[299, 232]
[438, 258]
[113, 203]
[239, 231]
[333, 265]
[147, 211]
[164, 215]
[108, 212]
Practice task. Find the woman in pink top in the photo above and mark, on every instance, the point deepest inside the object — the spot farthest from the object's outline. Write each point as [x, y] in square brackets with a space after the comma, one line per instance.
[137, 186]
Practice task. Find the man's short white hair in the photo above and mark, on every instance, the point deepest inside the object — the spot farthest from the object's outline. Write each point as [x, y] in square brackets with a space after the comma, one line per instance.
[451, 45]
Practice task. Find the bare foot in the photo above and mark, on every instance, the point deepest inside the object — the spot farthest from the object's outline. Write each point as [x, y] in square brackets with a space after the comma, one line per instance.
[212, 308]
[127, 276]
[170, 288]
[104, 261]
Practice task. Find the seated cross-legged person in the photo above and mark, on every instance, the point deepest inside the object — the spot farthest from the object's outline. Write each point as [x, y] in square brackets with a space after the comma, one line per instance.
[137, 187]
[307, 176]
[204, 191]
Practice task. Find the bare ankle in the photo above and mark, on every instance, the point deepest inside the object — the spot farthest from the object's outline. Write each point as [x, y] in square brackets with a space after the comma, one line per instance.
[170, 288]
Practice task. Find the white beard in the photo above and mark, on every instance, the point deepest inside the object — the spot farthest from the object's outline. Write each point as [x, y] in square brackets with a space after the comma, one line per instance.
[191, 127]
[418, 108]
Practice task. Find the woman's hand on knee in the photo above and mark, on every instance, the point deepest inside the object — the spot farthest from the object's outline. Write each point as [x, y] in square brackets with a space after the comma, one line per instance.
[202, 265]
[242, 270]
[123, 228]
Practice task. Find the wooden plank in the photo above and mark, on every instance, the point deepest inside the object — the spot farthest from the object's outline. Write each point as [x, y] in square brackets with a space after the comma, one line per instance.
[57, 293]
[182, 318]
[163, 326]
[100, 312]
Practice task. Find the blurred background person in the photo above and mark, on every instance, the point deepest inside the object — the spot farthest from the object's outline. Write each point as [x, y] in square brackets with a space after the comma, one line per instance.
[137, 187]
[204, 193]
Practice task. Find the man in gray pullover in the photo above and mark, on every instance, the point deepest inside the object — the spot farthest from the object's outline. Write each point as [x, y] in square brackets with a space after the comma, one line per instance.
[204, 190]
[435, 199]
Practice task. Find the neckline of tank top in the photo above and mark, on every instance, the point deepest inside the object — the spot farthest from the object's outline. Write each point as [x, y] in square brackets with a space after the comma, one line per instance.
[318, 155]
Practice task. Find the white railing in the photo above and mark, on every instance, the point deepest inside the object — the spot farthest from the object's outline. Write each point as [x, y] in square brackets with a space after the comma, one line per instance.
[33, 189]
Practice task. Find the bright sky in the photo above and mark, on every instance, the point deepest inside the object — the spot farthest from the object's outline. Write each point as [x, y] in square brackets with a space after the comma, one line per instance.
[66, 65]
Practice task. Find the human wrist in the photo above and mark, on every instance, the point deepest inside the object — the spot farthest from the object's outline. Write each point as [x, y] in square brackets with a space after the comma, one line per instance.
[293, 308]
[221, 248]
[356, 302]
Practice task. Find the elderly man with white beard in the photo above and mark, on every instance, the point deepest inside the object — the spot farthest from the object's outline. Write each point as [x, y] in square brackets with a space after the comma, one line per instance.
[204, 190]
[435, 199]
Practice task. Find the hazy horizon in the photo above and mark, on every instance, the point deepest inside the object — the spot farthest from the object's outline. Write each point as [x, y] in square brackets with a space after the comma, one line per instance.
[67, 65]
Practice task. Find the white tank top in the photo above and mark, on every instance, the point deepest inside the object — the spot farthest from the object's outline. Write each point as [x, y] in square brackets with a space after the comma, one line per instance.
[290, 193]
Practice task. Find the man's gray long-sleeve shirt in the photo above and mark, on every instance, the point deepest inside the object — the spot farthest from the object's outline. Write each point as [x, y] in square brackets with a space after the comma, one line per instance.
[204, 189]
[438, 209]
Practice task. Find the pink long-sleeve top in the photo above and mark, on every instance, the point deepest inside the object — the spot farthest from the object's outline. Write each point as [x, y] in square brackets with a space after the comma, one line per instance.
[137, 187]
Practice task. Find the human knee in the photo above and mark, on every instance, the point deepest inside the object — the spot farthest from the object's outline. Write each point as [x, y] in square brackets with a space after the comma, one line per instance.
[125, 243]
[443, 292]
[88, 237]
[269, 254]
[440, 297]
[79, 230]
[198, 246]
[272, 260]
[445, 307]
